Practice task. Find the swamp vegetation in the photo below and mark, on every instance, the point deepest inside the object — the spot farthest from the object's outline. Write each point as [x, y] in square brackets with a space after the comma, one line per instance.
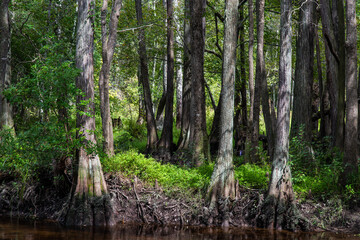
[185, 112]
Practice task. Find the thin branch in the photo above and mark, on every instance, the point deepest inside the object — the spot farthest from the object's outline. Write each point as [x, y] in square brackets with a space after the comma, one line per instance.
[135, 28]
[217, 36]
[216, 13]
[214, 53]
[210, 95]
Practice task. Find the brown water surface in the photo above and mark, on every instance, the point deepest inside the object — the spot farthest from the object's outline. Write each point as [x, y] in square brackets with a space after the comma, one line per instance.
[17, 229]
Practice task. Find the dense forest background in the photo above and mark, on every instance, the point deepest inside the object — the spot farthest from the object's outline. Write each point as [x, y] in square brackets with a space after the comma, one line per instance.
[222, 93]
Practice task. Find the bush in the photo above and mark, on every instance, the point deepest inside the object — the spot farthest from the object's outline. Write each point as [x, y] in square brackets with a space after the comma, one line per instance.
[131, 136]
[316, 167]
[169, 176]
[33, 150]
[253, 176]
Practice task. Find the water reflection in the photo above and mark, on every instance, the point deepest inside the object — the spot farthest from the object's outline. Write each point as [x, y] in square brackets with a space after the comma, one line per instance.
[16, 229]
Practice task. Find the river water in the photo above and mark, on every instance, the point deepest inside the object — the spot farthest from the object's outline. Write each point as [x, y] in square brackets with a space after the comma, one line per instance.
[17, 229]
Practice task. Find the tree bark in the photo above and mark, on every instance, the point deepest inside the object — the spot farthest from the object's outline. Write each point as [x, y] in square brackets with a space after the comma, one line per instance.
[333, 30]
[198, 134]
[152, 137]
[90, 202]
[241, 119]
[222, 183]
[351, 127]
[339, 32]
[184, 139]
[249, 137]
[179, 70]
[108, 47]
[302, 112]
[261, 73]
[278, 210]
[324, 104]
[259, 84]
[166, 140]
[6, 113]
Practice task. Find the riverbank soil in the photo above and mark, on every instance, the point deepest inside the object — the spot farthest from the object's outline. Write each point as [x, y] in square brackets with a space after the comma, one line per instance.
[135, 202]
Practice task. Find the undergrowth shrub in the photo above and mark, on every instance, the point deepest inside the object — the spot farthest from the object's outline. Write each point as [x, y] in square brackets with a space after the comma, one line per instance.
[169, 176]
[131, 136]
[253, 176]
[316, 167]
[131, 163]
[32, 152]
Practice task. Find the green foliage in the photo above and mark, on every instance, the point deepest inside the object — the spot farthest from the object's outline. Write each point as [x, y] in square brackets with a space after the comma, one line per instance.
[315, 168]
[169, 176]
[33, 151]
[131, 136]
[253, 176]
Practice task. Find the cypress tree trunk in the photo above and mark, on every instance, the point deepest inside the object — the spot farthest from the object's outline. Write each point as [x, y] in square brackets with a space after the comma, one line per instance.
[198, 135]
[222, 183]
[241, 119]
[259, 81]
[302, 112]
[6, 114]
[166, 140]
[261, 74]
[108, 47]
[251, 129]
[183, 142]
[351, 127]
[339, 32]
[179, 70]
[278, 210]
[152, 137]
[324, 96]
[90, 201]
[333, 30]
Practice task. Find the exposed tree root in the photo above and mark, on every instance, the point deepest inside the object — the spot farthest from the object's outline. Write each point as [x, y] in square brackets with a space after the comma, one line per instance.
[249, 209]
[90, 211]
[278, 214]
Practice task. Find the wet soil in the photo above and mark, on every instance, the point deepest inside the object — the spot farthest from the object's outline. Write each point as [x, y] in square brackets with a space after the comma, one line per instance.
[135, 202]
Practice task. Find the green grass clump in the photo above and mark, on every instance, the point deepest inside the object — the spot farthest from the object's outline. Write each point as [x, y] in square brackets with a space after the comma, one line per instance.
[253, 176]
[169, 176]
[131, 163]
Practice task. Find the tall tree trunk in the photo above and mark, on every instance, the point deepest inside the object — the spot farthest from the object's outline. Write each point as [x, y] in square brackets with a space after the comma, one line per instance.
[333, 30]
[166, 140]
[222, 183]
[332, 60]
[90, 202]
[302, 112]
[241, 119]
[261, 73]
[249, 141]
[351, 127]
[259, 82]
[152, 137]
[324, 119]
[339, 31]
[278, 209]
[108, 47]
[179, 70]
[142, 114]
[6, 114]
[184, 139]
[198, 134]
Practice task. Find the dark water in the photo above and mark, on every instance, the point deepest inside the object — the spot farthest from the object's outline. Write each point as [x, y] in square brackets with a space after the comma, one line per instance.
[16, 229]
